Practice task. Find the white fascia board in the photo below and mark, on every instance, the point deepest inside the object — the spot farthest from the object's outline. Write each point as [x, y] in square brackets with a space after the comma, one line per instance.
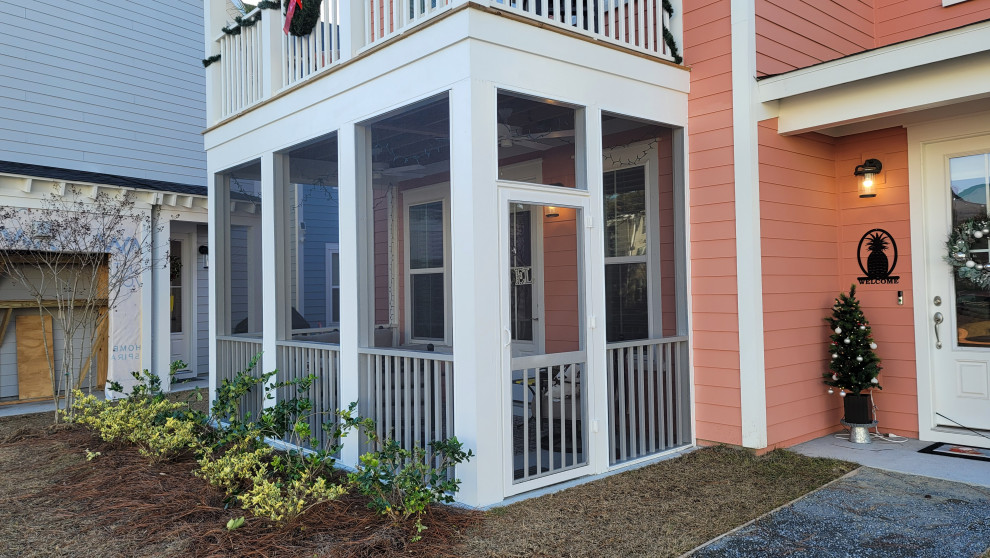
[922, 51]
[949, 82]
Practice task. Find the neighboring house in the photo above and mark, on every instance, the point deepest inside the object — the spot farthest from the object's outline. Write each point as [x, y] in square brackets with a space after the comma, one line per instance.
[104, 98]
[546, 235]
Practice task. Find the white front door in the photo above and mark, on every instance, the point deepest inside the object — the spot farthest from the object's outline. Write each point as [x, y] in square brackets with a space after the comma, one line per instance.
[957, 188]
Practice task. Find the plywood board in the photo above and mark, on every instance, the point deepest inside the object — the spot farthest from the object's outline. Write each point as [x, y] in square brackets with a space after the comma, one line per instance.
[33, 362]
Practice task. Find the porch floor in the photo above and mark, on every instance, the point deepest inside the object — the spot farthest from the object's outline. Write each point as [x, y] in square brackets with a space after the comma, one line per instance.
[902, 458]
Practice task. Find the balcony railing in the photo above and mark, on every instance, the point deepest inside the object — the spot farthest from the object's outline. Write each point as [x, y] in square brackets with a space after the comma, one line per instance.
[257, 60]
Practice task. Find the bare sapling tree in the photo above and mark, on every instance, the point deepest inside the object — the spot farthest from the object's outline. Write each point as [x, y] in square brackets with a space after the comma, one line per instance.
[75, 257]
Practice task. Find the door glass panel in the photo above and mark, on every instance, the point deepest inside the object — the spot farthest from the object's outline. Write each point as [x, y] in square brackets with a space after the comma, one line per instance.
[969, 177]
[175, 279]
[548, 408]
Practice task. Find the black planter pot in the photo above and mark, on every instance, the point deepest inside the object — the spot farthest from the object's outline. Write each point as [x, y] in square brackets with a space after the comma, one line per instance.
[858, 408]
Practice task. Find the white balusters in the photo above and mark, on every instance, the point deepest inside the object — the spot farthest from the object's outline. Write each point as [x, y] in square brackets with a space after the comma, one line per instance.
[647, 411]
[241, 67]
[233, 356]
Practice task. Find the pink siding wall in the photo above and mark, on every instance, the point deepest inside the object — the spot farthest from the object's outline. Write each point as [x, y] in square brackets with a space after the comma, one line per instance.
[799, 214]
[560, 285]
[900, 20]
[892, 325]
[793, 34]
[715, 339]
[668, 263]
[812, 220]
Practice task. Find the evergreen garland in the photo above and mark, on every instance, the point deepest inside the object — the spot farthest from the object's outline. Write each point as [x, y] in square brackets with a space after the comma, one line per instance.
[210, 60]
[241, 22]
[269, 5]
[668, 37]
[305, 18]
[853, 363]
[959, 256]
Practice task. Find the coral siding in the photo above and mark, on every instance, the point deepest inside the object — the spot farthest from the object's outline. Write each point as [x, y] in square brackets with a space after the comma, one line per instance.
[560, 260]
[794, 34]
[715, 335]
[812, 219]
[897, 404]
[799, 206]
[900, 20]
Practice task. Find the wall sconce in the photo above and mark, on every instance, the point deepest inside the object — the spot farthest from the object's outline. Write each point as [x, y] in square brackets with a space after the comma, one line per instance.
[552, 211]
[204, 256]
[868, 172]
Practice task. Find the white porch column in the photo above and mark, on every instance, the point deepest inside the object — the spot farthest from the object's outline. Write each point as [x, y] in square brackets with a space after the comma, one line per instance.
[352, 28]
[749, 266]
[271, 52]
[161, 347]
[269, 269]
[594, 274]
[350, 284]
[216, 233]
[148, 299]
[478, 405]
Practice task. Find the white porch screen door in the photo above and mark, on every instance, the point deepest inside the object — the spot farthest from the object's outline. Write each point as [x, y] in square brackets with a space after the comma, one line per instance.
[545, 385]
[957, 188]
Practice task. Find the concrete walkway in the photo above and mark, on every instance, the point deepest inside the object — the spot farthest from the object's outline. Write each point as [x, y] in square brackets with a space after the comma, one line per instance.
[900, 504]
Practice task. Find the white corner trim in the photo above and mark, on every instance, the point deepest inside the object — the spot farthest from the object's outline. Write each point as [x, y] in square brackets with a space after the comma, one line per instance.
[939, 47]
[749, 269]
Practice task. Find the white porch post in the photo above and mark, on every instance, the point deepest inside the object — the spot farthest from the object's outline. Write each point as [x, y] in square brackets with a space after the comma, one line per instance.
[478, 407]
[161, 348]
[271, 52]
[269, 269]
[594, 274]
[352, 28]
[148, 300]
[350, 272]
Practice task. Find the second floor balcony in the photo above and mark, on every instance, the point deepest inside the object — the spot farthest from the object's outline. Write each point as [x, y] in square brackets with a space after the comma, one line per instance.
[258, 60]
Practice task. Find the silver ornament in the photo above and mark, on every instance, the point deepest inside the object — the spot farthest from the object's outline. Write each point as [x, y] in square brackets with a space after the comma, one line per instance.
[970, 263]
[859, 359]
[831, 391]
[835, 377]
[986, 230]
[960, 256]
[873, 346]
[874, 381]
[863, 327]
[847, 341]
[842, 394]
[834, 355]
[977, 234]
[838, 330]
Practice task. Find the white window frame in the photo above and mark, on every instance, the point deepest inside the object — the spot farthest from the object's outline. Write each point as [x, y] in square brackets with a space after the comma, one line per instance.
[651, 166]
[419, 196]
[332, 249]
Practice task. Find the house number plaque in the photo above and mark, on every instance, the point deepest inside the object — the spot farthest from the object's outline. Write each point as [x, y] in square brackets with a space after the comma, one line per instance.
[522, 275]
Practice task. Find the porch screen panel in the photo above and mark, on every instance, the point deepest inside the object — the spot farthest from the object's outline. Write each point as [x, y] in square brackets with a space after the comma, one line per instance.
[241, 269]
[539, 131]
[310, 229]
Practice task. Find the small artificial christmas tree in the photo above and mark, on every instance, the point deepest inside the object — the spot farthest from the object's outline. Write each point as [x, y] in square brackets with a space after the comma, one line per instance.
[854, 364]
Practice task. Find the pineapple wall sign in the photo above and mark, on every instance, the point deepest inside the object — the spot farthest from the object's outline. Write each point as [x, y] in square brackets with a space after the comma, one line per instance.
[881, 258]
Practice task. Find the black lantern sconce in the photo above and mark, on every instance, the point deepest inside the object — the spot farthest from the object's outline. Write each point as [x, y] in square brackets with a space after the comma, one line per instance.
[868, 172]
[204, 256]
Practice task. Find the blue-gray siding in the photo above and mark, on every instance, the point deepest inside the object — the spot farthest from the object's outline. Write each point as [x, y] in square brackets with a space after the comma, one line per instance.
[111, 86]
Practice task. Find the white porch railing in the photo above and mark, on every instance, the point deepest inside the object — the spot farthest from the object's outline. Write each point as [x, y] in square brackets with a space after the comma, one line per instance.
[409, 394]
[233, 356]
[387, 18]
[635, 24]
[549, 400]
[647, 411]
[241, 72]
[297, 360]
[303, 57]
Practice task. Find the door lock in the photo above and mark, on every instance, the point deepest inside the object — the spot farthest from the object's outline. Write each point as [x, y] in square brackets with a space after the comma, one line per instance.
[937, 301]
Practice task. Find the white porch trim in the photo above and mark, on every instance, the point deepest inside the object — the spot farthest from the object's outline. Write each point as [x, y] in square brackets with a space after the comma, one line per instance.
[749, 267]
[933, 71]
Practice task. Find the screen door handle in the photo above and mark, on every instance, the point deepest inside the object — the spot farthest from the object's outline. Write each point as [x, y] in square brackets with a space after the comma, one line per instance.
[938, 320]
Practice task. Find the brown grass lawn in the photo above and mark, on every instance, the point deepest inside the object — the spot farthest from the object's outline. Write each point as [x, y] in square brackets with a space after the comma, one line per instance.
[55, 503]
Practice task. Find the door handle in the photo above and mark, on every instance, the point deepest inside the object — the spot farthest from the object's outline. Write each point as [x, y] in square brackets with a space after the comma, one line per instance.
[938, 321]
[506, 337]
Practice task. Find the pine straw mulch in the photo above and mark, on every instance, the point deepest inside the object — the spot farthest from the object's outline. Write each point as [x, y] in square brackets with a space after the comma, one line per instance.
[55, 503]
[119, 505]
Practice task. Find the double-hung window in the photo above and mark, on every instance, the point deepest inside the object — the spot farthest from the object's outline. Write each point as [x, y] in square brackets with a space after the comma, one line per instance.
[627, 255]
[427, 272]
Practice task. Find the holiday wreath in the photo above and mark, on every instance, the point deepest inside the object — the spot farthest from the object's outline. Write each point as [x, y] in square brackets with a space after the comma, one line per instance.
[959, 255]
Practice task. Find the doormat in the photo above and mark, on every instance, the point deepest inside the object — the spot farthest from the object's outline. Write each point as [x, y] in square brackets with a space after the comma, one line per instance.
[955, 450]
